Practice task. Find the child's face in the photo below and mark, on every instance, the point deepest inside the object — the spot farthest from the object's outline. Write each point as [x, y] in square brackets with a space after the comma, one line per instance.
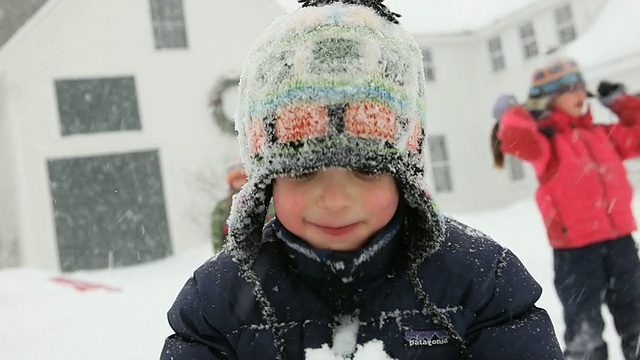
[237, 182]
[571, 102]
[335, 208]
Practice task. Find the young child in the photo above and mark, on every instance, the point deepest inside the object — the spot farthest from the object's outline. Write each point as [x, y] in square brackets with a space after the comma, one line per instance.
[584, 198]
[236, 177]
[331, 120]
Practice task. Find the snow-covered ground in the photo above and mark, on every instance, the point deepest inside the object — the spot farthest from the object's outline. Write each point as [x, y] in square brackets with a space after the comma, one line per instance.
[122, 313]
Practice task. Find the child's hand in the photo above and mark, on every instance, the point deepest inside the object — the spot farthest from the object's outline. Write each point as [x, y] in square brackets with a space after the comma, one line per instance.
[608, 92]
[502, 104]
[519, 134]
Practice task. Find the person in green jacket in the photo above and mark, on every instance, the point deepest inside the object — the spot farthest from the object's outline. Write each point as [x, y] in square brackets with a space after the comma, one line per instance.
[236, 178]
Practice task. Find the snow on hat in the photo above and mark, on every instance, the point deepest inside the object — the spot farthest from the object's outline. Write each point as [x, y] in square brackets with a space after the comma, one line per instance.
[548, 82]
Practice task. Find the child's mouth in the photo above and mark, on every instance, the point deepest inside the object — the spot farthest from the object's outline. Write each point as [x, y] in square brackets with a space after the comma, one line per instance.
[337, 230]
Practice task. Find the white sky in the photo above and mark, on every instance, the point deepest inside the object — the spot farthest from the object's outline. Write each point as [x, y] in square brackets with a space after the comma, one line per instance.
[45, 319]
[443, 16]
[612, 36]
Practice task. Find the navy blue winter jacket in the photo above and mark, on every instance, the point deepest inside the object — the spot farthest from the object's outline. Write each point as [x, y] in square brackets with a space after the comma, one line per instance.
[482, 301]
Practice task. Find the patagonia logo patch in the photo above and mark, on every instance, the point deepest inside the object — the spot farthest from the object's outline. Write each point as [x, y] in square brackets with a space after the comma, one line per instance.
[425, 337]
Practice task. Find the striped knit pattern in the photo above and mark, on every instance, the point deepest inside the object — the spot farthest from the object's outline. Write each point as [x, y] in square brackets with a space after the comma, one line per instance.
[551, 78]
[311, 64]
[550, 81]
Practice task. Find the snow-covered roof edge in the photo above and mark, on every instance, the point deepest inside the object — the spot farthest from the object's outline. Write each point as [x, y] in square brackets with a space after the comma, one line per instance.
[14, 14]
[29, 25]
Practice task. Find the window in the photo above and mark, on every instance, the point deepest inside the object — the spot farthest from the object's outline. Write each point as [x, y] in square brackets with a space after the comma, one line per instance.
[564, 22]
[109, 210]
[440, 163]
[495, 51]
[89, 106]
[427, 62]
[516, 168]
[169, 28]
[528, 38]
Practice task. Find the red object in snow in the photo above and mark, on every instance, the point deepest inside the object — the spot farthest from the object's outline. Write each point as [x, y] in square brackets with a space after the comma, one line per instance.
[82, 285]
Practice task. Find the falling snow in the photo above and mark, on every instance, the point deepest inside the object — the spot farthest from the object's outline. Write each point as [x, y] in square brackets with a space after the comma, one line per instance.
[95, 317]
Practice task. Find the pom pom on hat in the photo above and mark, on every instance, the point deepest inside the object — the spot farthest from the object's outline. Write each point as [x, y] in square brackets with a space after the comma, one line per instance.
[374, 4]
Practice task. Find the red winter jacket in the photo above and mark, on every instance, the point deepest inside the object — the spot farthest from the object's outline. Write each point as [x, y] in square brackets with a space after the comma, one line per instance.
[584, 194]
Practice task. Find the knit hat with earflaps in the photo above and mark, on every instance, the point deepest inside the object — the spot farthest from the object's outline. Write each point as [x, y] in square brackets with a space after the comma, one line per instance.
[548, 82]
[333, 84]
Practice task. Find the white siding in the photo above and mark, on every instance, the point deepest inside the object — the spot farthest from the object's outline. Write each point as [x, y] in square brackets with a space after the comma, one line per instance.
[9, 254]
[71, 39]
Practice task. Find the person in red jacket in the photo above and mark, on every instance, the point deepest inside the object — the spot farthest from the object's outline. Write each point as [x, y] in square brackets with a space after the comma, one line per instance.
[584, 197]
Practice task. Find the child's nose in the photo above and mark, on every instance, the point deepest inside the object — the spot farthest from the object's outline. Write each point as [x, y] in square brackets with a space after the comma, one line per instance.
[334, 196]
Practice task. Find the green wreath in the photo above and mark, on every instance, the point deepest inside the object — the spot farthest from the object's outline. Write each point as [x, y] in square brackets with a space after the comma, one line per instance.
[224, 122]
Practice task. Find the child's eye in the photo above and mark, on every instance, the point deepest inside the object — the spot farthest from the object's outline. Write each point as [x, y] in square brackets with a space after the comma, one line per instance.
[367, 174]
[302, 177]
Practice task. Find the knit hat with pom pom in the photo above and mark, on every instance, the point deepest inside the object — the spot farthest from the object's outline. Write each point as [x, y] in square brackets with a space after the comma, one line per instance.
[560, 75]
[333, 84]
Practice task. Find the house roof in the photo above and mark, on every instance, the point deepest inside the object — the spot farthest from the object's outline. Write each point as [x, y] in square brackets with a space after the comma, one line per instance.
[443, 16]
[610, 37]
[13, 14]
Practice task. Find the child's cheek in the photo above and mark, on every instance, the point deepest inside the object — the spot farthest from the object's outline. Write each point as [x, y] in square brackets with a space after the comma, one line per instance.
[288, 205]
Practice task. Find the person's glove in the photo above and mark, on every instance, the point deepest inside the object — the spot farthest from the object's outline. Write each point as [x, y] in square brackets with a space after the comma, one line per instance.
[503, 102]
[608, 92]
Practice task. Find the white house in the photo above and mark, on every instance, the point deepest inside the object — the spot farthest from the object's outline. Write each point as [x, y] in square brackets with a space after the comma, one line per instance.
[108, 150]
[109, 154]
[471, 68]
